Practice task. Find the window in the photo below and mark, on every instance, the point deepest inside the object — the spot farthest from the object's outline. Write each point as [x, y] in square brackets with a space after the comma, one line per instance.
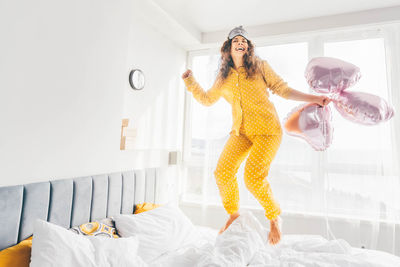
[343, 180]
[360, 161]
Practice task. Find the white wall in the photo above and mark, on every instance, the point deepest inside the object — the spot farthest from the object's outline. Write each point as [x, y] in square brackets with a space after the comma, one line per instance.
[64, 88]
[157, 111]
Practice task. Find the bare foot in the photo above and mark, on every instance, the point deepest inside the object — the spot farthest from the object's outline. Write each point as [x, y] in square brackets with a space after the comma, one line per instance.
[232, 217]
[275, 234]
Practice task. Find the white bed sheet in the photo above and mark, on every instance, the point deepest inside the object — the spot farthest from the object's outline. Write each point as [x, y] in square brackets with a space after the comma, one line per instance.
[245, 243]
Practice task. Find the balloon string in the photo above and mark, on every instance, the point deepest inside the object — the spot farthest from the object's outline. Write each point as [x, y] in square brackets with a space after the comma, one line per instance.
[328, 229]
[324, 127]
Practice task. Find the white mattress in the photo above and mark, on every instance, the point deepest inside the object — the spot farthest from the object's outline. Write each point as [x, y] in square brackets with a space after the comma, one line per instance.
[245, 243]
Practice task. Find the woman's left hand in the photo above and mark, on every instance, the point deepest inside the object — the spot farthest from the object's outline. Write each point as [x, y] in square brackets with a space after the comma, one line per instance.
[321, 100]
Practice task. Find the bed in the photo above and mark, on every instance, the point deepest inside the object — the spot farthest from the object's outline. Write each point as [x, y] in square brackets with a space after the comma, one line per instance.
[74, 201]
[242, 244]
[71, 202]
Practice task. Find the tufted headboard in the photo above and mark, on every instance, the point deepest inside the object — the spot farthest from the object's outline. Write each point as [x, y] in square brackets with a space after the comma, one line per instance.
[71, 202]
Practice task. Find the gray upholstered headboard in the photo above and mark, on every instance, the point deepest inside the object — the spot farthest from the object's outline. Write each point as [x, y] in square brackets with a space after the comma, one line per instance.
[71, 202]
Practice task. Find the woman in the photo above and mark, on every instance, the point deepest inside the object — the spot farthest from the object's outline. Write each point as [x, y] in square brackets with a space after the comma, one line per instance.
[256, 131]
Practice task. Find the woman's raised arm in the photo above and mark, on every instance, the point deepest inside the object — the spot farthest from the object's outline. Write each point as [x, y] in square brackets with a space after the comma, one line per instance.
[205, 98]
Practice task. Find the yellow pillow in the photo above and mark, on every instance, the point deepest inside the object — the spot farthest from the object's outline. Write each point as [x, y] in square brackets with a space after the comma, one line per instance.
[142, 207]
[18, 255]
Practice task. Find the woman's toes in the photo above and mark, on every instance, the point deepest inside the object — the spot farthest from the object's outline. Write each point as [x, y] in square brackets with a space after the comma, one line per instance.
[274, 237]
[221, 230]
[270, 239]
[272, 242]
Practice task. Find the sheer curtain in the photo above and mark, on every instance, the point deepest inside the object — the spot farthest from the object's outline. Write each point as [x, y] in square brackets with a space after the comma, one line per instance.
[360, 167]
[357, 178]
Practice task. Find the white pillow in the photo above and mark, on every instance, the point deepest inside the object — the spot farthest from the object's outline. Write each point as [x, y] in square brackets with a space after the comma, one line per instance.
[53, 245]
[162, 229]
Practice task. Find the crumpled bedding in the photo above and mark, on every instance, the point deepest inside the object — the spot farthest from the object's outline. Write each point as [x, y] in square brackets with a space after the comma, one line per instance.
[245, 243]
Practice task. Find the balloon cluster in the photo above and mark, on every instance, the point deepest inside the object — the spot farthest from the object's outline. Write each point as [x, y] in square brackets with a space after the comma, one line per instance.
[333, 76]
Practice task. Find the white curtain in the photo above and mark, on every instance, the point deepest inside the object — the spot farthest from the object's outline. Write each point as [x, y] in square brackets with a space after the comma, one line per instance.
[356, 178]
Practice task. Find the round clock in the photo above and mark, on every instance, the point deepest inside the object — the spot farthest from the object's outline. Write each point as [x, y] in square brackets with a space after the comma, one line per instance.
[136, 79]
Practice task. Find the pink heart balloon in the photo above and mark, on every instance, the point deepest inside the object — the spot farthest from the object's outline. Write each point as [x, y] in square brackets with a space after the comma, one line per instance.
[363, 108]
[312, 123]
[331, 75]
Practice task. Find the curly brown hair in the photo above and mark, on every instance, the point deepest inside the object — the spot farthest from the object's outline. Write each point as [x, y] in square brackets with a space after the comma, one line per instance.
[252, 63]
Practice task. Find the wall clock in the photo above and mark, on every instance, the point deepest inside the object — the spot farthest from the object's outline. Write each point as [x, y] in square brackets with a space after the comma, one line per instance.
[136, 79]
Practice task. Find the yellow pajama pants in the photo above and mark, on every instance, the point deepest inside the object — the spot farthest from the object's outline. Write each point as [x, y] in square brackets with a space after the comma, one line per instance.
[261, 150]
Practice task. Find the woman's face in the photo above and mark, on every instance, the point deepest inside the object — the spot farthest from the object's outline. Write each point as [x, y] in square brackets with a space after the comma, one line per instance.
[239, 46]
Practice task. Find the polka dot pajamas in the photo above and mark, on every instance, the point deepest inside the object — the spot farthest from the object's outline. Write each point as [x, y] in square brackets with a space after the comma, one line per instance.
[260, 149]
[256, 133]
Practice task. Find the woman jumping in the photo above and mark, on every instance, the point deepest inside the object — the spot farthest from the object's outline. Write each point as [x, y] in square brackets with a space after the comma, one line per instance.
[256, 132]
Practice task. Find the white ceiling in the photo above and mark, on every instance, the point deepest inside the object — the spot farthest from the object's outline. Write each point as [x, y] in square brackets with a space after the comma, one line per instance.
[216, 15]
[197, 24]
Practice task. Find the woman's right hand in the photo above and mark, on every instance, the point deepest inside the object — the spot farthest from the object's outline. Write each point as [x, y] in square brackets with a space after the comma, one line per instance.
[186, 74]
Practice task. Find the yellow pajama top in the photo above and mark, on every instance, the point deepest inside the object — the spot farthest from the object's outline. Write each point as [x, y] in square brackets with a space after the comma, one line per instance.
[251, 107]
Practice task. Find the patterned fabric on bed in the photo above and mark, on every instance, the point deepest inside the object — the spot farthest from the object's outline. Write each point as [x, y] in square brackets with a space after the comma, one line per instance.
[103, 228]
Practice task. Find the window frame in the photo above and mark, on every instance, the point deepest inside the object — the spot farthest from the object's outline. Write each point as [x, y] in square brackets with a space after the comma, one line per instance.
[315, 41]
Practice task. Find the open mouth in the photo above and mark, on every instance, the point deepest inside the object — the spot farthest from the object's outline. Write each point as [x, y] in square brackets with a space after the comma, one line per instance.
[240, 49]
